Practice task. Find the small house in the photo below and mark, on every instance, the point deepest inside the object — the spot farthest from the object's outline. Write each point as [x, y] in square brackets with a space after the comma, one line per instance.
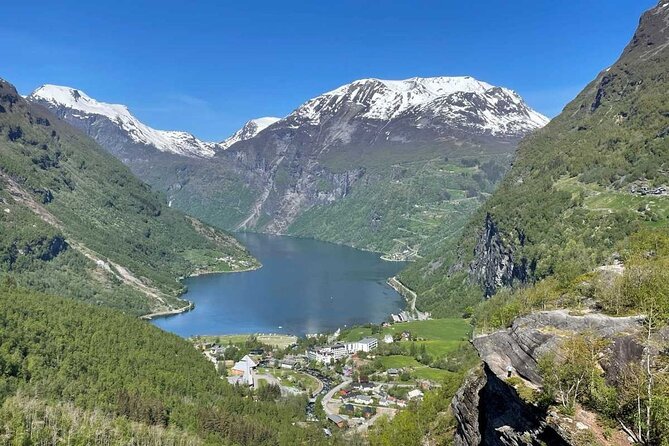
[288, 364]
[362, 399]
[368, 411]
[337, 420]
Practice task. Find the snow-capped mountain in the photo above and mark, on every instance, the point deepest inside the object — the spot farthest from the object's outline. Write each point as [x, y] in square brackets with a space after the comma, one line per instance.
[249, 130]
[454, 102]
[115, 124]
[377, 118]
[271, 171]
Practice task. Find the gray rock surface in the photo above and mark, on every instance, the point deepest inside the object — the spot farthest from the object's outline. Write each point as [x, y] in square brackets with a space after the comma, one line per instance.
[531, 336]
[489, 411]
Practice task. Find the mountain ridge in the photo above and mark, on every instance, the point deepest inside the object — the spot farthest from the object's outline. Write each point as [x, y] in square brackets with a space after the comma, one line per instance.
[282, 177]
[577, 183]
[71, 100]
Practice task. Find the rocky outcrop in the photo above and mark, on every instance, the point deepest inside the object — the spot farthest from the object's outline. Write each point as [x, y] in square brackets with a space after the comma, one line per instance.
[466, 408]
[495, 264]
[489, 410]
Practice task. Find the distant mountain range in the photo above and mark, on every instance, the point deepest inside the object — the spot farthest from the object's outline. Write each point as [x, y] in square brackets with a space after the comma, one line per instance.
[270, 174]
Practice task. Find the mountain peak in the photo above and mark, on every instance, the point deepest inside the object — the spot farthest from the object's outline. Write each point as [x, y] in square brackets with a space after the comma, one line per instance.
[76, 104]
[249, 130]
[433, 86]
[76, 99]
[495, 110]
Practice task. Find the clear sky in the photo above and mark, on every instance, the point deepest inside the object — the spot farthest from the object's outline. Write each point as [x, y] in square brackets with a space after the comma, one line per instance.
[207, 66]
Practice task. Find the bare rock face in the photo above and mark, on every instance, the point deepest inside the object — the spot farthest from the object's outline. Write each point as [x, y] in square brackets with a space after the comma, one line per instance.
[495, 264]
[532, 336]
[489, 412]
[466, 408]
[488, 409]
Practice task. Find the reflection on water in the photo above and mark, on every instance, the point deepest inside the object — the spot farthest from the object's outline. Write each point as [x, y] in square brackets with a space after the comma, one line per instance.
[304, 286]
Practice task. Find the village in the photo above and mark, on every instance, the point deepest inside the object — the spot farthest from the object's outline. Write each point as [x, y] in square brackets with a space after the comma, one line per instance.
[348, 384]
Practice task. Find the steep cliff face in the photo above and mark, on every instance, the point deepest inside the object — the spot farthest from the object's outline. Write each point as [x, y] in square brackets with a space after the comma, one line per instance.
[495, 264]
[488, 408]
[287, 183]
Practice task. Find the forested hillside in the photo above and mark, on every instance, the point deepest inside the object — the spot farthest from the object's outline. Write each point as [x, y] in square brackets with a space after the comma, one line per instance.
[68, 362]
[75, 221]
[593, 176]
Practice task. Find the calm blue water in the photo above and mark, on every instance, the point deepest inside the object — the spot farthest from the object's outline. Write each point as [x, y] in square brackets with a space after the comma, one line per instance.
[304, 286]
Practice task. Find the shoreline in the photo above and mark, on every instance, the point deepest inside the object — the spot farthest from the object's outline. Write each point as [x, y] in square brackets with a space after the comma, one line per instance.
[265, 338]
[167, 313]
[382, 255]
[206, 273]
[190, 306]
[405, 292]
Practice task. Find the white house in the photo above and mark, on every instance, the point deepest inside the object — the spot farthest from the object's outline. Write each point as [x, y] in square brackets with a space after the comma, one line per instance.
[362, 399]
[244, 370]
[415, 394]
[388, 339]
[363, 345]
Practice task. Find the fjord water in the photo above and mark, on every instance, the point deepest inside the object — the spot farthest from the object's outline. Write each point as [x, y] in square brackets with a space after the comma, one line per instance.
[304, 286]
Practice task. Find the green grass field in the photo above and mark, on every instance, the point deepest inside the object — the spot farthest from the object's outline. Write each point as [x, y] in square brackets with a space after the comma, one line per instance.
[292, 378]
[276, 340]
[398, 362]
[442, 336]
[653, 210]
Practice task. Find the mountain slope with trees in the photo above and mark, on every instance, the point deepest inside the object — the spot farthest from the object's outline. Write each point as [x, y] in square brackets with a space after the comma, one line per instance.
[596, 174]
[62, 360]
[76, 222]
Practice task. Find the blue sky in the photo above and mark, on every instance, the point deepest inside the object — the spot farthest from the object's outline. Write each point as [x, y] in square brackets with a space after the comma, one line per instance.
[208, 66]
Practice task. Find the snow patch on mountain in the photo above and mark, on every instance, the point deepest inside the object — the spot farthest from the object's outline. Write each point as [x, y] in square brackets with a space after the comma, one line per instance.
[81, 106]
[249, 130]
[495, 110]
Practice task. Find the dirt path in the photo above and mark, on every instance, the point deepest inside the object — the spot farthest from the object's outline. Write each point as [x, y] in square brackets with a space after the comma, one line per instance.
[21, 196]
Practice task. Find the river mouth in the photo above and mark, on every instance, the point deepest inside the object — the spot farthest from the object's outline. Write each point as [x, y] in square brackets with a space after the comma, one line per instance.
[304, 286]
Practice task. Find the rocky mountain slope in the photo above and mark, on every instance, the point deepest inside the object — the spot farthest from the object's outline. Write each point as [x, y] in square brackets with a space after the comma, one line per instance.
[248, 131]
[578, 187]
[369, 150]
[493, 408]
[114, 127]
[76, 222]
